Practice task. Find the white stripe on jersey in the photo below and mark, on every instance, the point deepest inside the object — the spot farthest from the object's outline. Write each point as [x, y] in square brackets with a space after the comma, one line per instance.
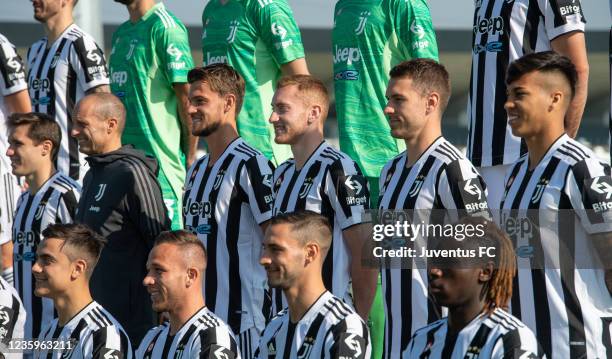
[12, 317]
[442, 178]
[329, 329]
[92, 330]
[224, 205]
[329, 183]
[565, 303]
[54, 202]
[9, 193]
[497, 336]
[204, 335]
[503, 32]
[58, 77]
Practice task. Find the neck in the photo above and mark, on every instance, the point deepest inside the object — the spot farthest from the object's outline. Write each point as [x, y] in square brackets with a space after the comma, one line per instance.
[305, 146]
[137, 9]
[461, 315]
[538, 145]
[184, 310]
[55, 26]
[302, 296]
[219, 140]
[417, 145]
[71, 303]
[110, 146]
[38, 178]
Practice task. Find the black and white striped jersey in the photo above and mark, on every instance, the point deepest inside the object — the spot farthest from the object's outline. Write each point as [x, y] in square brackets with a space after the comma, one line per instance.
[329, 183]
[442, 178]
[495, 336]
[204, 336]
[54, 202]
[12, 317]
[550, 213]
[503, 31]
[224, 205]
[330, 329]
[59, 74]
[92, 333]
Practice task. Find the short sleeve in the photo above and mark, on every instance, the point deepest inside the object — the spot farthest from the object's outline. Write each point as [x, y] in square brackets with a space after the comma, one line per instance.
[173, 51]
[88, 62]
[461, 187]
[278, 30]
[562, 16]
[256, 182]
[12, 70]
[350, 339]
[214, 343]
[589, 189]
[414, 28]
[347, 190]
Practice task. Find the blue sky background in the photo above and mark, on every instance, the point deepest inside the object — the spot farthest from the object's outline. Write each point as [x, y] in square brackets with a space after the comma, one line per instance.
[447, 14]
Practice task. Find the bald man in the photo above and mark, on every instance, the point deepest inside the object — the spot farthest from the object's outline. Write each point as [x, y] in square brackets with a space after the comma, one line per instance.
[175, 276]
[122, 201]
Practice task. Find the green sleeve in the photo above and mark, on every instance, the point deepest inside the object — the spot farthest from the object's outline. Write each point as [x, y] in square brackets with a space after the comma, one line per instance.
[173, 51]
[278, 30]
[414, 28]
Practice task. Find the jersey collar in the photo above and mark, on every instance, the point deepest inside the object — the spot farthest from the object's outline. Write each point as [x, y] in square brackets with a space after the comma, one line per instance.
[158, 6]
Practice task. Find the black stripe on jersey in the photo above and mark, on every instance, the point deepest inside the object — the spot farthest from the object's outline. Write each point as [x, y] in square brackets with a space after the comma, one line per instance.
[41, 65]
[607, 323]
[51, 76]
[98, 340]
[211, 243]
[480, 339]
[511, 343]
[149, 350]
[259, 187]
[311, 333]
[73, 144]
[478, 130]
[75, 335]
[234, 314]
[4, 67]
[285, 202]
[81, 51]
[530, 35]
[185, 339]
[289, 339]
[336, 171]
[501, 120]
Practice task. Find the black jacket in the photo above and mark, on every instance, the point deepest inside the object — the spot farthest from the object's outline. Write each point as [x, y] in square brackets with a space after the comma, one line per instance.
[122, 201]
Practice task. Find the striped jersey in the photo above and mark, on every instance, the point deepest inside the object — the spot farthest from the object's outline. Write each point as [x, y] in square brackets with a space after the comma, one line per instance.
[550, 213]
[495, 336]
[204, 336]
[12, 317]
[224, 204]
[332, 184]
[54, 202]
[330, 329]
[92, 333]
[442, 178]
[59, 74]
[503, 31]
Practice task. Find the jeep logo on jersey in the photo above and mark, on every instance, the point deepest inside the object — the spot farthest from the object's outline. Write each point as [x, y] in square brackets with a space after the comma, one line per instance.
[174, 52]
[363, 19]
[233, 27]
[40, 84]
[203, 209]
[24, 238]
[346, 54]
[101, 189]
[517, 226]
[417, 29]
[492, 26]
[215, 59]
[119, 77]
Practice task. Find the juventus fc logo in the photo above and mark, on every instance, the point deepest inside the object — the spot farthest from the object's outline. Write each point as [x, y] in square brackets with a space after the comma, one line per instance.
[218, 180]
[416, 186]
[233, 29]
[540, 187]
[101, 189]
[363, 19]
[306, 188]
[40, 210]
[132, 47]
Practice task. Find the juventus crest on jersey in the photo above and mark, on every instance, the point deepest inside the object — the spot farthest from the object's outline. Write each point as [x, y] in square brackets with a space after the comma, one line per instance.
[441, 179]
[59, 74]
[551, 213]
[329, 183]
[224, 204]
[330, 329]
[495, 336]
[54, 202]
[505, 30]
[92, 333]
[204, 335]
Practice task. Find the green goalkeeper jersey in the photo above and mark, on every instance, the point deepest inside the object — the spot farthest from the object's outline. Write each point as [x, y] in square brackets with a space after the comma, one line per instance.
[147, 58]
[255, 37]
[369, 38]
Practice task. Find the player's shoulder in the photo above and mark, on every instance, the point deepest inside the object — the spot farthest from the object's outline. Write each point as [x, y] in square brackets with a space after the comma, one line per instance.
[259, 5]
[277, 321]
[426, 329]
[64, 184]
[573, 152]
[163, 19]
[99, 319]
[511, 331]
[246, 152]
[338, 312]
[338, 161]
[447, 153]
[394, 161]
[504, 320]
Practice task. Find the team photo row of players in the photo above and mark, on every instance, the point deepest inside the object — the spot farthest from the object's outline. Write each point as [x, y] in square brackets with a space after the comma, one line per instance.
[256, 272]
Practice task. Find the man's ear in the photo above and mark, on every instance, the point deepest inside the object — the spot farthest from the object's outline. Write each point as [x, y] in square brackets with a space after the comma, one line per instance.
[433, 102]
[486, 272]
[79, 269]
[311, 252]
[47, 148]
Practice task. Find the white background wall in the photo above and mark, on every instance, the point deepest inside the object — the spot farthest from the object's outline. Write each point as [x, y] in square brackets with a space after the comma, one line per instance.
[447, 14]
